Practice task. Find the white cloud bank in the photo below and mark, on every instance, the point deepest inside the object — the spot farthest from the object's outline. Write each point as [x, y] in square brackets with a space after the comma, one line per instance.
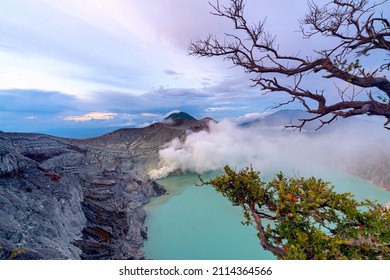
[91, 116]
[269, 150]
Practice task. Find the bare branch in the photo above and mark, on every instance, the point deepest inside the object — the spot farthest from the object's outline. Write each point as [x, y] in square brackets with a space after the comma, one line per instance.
[263, 240]
[357, 25]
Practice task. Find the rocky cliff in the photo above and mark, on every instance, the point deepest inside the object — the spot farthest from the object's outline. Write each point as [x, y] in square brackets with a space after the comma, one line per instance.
[80, 199]
[372, 165]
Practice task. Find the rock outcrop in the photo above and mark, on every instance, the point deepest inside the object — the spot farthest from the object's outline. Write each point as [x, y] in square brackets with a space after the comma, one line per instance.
[375, 168]
[80, 199]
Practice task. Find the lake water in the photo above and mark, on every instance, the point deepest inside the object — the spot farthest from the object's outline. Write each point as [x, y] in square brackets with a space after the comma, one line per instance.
[197, 223]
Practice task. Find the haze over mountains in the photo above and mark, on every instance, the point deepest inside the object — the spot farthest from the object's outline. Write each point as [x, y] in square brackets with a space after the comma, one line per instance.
[360, 147]
[83, 198]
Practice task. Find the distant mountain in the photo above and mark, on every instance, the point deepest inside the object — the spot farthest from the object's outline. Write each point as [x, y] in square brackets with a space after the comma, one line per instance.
[283, 118]
[180, 115]
[182, 119]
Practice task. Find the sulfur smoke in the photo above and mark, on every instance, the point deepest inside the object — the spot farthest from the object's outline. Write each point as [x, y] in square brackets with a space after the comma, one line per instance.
[273, 149]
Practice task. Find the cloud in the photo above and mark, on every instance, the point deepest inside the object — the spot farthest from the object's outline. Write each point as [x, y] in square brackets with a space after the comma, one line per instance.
[270, 150]
[204, 151]
[171, 112]
[150, 115]
[106, 45]
[218, 109]
[91, 116]
[50, 112]
[177, 22]
[31, 101]
[172, 73]
[30, 118]
[124, 57]
[250, 117]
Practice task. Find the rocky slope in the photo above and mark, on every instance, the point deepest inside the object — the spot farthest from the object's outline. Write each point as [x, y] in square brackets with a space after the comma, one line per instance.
[80, 199]
[375, 168]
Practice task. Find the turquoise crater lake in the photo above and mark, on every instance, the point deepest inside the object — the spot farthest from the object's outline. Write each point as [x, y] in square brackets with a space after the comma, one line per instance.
[197, 223]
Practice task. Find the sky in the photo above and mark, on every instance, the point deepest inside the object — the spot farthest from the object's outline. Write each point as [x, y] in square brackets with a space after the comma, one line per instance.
[80, 68]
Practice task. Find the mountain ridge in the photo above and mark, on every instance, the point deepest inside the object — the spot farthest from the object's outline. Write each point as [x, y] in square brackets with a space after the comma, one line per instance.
[180, 115]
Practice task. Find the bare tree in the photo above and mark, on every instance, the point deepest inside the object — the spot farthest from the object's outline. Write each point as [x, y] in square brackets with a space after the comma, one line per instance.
[356, 27]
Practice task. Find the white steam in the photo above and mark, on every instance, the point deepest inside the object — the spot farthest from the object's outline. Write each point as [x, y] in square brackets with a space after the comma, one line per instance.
[268, 149]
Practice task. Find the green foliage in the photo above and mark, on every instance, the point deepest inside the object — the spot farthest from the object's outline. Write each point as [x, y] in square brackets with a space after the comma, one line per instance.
[347, 67]
[382, 98]
[306, 218]
[352, 68]
[16, 252]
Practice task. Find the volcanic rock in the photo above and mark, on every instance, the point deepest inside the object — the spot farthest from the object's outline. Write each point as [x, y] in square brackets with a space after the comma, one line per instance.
[80, 199]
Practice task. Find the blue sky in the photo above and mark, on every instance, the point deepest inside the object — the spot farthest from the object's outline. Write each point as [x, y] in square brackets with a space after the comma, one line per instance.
[70, 67]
